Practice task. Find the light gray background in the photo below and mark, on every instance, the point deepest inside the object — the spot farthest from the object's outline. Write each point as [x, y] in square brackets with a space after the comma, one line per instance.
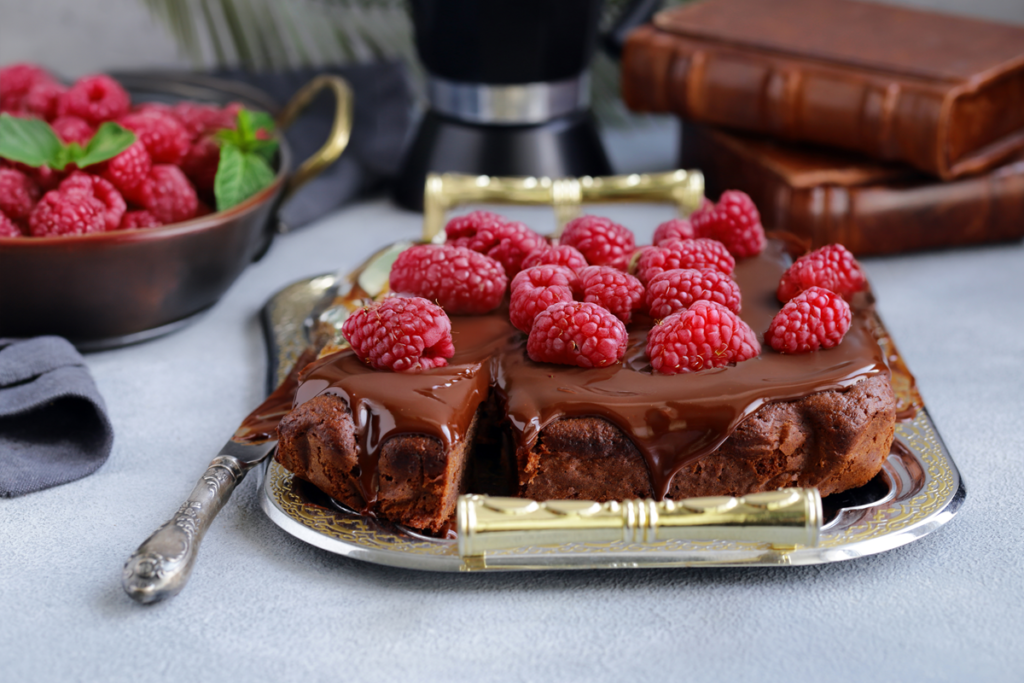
[264, 606]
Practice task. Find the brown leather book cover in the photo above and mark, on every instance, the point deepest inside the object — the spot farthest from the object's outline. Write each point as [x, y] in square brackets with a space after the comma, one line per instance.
[941, 93]
[870, 207]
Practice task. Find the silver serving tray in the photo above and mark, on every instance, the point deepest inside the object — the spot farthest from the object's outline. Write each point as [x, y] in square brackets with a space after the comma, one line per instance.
[918, 490]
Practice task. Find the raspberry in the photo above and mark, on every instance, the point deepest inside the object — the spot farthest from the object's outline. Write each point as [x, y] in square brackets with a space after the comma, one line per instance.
[675, 290]
[535, 289]
[129, 169]
[8, 227]
[814, 319]
[506, 242]
[138, 219]
[705, 335]
[734, 222]
[560, 255]
[72, 129]
[94, 186]
[18, 194]
[577, 333]
[677, 228]
[705, 205]
[44, 176]
[699, 253]
[460, 280]
[200, 164]
[67, 213]
[602, 242]
[16, 81]
[200, 119]
[618, 292]
[165, 138]
[95, 99]
[400, 334]
[167, 194]
[831, 267]
[43, 98]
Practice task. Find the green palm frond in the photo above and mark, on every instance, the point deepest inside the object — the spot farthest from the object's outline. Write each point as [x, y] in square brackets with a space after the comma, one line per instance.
[271, 35]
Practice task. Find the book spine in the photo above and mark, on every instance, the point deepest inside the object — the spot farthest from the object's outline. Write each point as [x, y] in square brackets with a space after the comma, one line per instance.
[813, 102]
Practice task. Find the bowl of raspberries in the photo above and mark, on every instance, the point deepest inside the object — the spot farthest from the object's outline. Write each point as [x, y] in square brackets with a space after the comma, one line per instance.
[127, 209]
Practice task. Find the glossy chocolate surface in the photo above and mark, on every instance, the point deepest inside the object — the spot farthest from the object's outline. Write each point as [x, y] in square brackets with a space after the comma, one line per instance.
[671, 419]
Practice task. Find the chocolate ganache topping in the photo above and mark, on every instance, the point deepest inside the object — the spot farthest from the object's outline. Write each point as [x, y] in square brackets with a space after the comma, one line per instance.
[672, 420]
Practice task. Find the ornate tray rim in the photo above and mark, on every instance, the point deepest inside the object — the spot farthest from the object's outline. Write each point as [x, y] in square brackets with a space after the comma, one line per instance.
[926, 492]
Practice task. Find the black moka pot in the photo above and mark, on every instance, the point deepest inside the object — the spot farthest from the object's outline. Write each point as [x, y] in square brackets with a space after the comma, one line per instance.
[508, 89]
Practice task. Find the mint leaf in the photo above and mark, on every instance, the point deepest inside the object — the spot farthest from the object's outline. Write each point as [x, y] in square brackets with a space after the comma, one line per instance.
[29, 141]
[108, 141]
[265, 148]
[260, 120]
[240, 175]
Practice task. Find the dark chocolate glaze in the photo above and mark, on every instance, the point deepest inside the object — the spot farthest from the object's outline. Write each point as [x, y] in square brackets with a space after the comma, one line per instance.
[673, 420]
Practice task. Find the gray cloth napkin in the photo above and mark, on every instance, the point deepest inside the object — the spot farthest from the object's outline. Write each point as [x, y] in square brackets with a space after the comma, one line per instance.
[53, 422]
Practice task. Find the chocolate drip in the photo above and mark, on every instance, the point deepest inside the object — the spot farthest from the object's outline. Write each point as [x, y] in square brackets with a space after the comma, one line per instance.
[672, 420]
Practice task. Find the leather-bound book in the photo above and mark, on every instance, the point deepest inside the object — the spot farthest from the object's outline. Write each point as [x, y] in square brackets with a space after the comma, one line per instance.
[872, 208]
[941, 93]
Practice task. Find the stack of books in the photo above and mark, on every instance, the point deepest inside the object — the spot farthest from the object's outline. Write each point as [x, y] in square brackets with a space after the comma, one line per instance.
[883, 128]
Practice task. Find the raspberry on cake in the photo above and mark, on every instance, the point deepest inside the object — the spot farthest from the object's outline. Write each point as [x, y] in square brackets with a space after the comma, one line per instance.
[558, 255]
[460, 280]
[735, 222]
[618, 292]
[832, 267]
[601, 241]
[705, 335]
[700, 253]
[577, 333]
[536, 289]
[506, 242]
[814, 319]
[671, 291]
[677, 228]
[400, 334]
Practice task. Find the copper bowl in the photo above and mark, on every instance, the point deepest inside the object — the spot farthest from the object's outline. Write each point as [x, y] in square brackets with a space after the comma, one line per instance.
[114, 288]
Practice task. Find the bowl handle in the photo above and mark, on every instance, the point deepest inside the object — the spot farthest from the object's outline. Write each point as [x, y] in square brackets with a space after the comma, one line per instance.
[341, 130]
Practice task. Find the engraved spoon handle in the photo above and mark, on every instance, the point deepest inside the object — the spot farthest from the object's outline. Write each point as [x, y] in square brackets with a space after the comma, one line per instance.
[161, 566]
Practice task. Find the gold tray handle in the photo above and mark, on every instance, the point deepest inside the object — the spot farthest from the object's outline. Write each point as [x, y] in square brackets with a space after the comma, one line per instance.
[445, 191]
[341, 129]
[783, 519]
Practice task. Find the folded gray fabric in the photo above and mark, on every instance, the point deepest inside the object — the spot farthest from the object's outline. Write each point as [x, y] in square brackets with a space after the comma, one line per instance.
[53, 422]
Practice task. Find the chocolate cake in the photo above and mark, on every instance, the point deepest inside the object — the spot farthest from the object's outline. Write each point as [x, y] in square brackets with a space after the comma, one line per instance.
[403, 446]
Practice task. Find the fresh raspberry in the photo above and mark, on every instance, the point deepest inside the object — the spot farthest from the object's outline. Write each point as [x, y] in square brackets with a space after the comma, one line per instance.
[735, 222]
[705, 205]
[72, 129]
[400, 334]
[618, 292]
[67, 213]
[138, 219]
[8, 228]
[699, 253]
[705, 335]
[18, 194]
[43, 176]
[201, 119]
[814, 319]
[577, 333]
[677, 228]
[16, 81]
[200, 164]
[128, 170]
[560, 255]
[94, 186]
[43, 99]
[831, 267]
[535, 289]
[507, 242]
[167, 194]
[601, 241]
[165, 138]
[671, 291]
[460, 280]
[95, 99]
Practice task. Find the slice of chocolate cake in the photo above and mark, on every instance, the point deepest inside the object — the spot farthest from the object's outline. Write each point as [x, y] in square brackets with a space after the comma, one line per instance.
[399, 445]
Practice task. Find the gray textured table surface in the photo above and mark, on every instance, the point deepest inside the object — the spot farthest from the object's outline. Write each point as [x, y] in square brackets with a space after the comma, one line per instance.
[262, 605]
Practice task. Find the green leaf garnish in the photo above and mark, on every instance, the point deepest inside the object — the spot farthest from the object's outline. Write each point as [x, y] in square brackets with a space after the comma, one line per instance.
[29, 141]
[33, 142]
[244, 167]
[240, 175]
